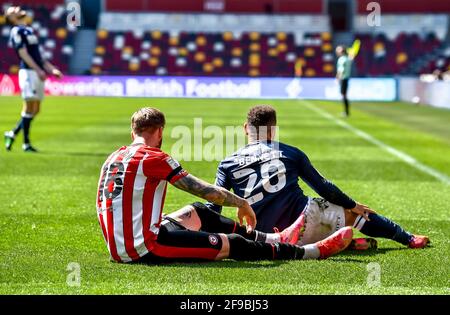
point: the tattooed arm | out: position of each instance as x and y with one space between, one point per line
202 189
217 195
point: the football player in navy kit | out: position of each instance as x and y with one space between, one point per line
266 173
32 74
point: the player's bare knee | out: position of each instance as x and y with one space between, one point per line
37 108
188 217
28 107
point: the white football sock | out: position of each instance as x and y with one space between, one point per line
272 238
311 251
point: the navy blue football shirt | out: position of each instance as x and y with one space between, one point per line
266 173
24 36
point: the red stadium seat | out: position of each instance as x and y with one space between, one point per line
380 56
252 53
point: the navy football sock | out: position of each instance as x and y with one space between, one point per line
26 122
347 106
18 127
380 226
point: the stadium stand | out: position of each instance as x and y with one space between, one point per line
411 7
244 45
390 50
381 56
250 53
440 61
207 44
162 37
229 6
56 37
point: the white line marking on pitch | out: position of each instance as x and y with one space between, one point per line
397 153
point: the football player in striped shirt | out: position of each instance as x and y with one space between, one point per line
32 74
130 200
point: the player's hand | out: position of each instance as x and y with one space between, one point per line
57 73
41 74
362 210
246 212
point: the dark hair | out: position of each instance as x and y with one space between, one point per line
262 116
147 118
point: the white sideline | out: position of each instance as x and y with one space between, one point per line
399 154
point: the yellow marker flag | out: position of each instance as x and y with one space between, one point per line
354 50
298 68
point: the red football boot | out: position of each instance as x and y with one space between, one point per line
292 233
419 241
335 243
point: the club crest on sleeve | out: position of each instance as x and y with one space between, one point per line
213 239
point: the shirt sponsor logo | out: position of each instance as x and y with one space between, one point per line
173 163
316 88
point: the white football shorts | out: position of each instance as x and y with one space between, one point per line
322 218
31 86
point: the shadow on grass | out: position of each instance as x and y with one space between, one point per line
341 259
348 256
372 252
227 264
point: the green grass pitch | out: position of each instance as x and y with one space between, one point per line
48 217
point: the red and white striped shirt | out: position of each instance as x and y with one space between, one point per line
130 198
